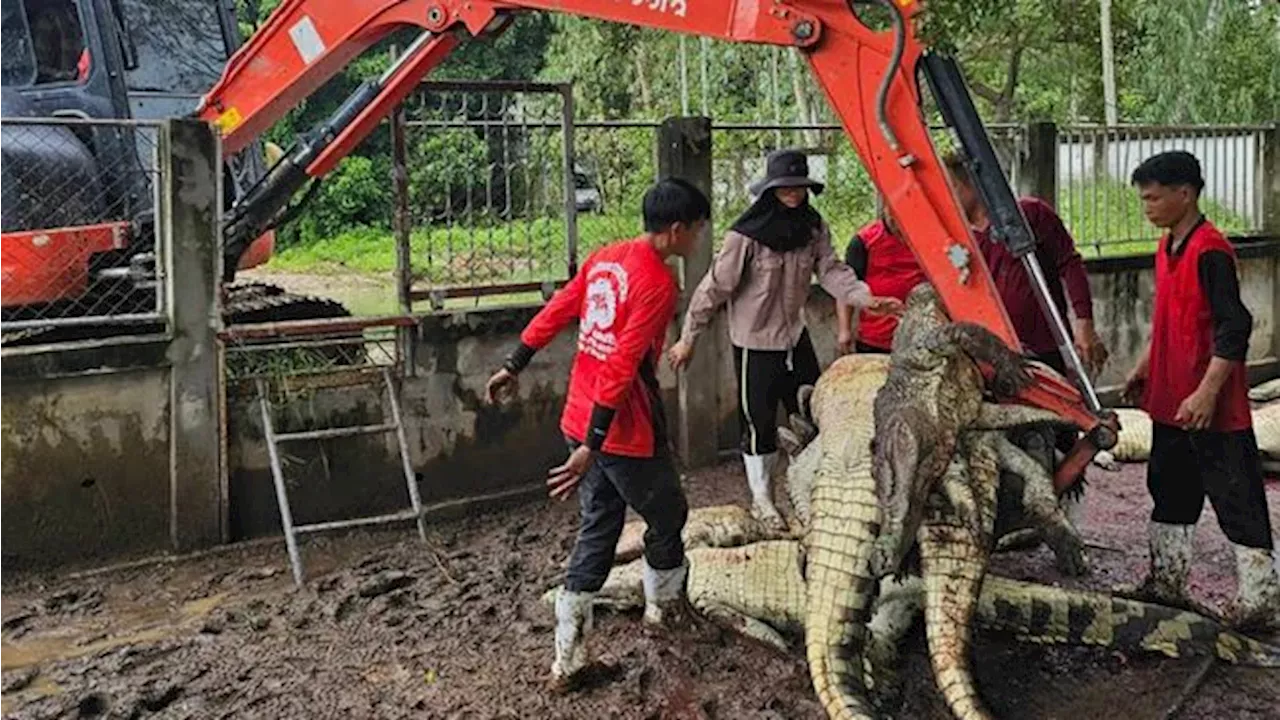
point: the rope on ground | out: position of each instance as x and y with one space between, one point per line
1190 687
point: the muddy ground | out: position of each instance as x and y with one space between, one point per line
387 627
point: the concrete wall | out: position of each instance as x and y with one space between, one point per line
85 464
462 448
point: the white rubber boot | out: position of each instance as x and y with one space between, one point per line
1170 550
665 604
1257 603
573 624
760 480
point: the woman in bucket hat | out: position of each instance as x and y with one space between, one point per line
763 272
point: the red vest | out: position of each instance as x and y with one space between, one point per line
1182 337
892 270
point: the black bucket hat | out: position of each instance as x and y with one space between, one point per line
786 168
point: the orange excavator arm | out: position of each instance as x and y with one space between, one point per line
868 76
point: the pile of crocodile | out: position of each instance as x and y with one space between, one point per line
904 478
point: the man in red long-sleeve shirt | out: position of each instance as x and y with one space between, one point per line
623 298
1063 267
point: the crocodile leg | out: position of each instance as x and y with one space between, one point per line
897 608
1011 369
1040 506
993 416
745 625
953 557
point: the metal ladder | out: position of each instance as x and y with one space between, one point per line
273 438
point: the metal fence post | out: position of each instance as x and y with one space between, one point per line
404 247
191 164
570 184
684 151
1038 171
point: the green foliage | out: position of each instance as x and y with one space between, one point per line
1205 61
356 193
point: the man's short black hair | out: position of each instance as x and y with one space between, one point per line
954 162
1171 169
673 200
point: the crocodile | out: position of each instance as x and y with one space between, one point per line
759 589
1134 442
1026 489
714 526
843 521
934 390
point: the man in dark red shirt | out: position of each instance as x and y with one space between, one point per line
1191 381
886 264
622 299
1063 267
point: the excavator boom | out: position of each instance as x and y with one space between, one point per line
869 77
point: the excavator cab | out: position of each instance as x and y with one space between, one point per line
100 60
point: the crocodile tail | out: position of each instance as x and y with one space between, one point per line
953 560
840 587
1048 615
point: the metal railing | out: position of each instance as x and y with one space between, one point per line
83 246
1102 210
502 192
486 200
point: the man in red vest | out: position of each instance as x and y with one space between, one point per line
884 262
622 299
1191 381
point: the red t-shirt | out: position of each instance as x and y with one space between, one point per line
1182 336
1062 265
623 298
890 270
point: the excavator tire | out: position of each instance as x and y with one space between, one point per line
244 303
255 302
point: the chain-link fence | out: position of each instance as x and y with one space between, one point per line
82 247
1103 210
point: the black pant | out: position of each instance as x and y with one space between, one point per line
864 349
1187 465
651 486
764 380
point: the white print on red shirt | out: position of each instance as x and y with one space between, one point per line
606 292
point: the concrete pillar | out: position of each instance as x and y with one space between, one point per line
1269 181
1269 186
684 151
190 168
1038 174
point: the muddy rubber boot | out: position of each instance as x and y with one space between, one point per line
573 624
1257 603
665 603
760 480
1170 550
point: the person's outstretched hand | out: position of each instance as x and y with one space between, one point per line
503 382
564 478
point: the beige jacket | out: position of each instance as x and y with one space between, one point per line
766 290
